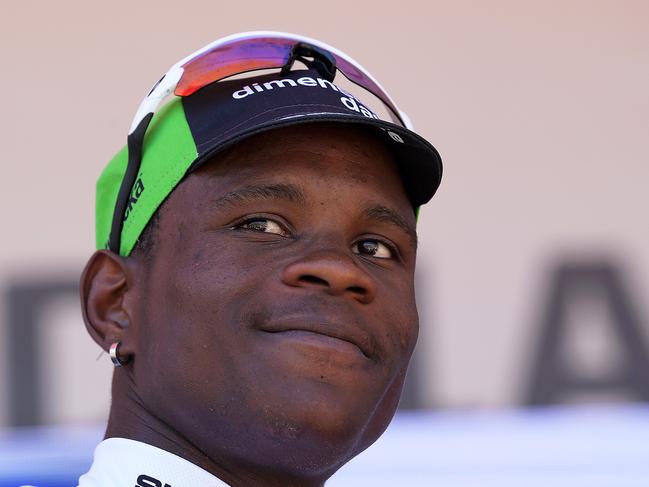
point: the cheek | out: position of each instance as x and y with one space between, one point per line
399 312
193 340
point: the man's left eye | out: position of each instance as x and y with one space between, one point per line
373 248
265 225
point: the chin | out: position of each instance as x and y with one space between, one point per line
312 448
318 436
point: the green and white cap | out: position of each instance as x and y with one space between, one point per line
191 130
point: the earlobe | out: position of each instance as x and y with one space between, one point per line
103 287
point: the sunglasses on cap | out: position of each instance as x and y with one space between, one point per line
231 56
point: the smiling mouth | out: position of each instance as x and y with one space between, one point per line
316 340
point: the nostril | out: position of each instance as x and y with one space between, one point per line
307 278
358 290
330 273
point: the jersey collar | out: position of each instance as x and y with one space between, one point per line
119 461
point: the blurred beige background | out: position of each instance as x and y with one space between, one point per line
539 109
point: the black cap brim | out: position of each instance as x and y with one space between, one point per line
219 119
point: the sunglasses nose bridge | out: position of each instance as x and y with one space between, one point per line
321 60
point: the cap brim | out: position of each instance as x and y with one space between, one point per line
225 113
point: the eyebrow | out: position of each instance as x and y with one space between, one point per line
383 214
289 192
286 192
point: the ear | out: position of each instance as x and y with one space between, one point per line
105 281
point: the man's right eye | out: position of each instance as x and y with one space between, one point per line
264 225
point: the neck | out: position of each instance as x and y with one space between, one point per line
130 418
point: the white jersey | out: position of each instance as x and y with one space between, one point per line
122 462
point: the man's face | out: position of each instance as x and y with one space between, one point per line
276 317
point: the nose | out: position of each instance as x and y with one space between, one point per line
334 273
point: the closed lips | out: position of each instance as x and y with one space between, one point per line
354 335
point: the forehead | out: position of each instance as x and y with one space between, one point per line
312 153
332 175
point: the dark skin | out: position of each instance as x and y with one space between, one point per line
271 325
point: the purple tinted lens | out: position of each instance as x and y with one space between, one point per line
233 58
355 75
246 55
